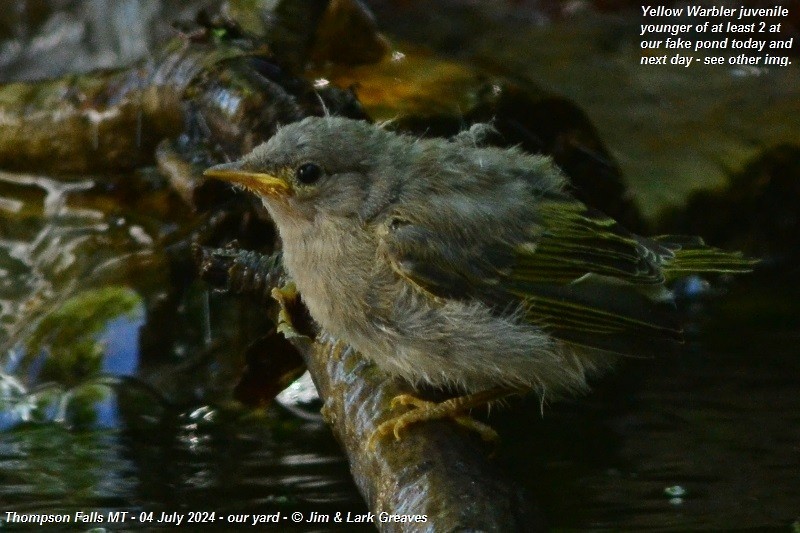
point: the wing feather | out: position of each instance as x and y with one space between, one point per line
575 272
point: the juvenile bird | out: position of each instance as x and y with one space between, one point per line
459 266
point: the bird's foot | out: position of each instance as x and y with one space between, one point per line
455 409
288 299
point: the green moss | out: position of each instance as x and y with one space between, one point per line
68 334
81 410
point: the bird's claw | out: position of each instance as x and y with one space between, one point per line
407 399
397 424
424 410
286 297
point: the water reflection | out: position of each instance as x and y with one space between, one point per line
232 466
114 394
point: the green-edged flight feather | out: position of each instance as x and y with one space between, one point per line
579 275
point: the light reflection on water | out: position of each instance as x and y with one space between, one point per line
141 432
235 469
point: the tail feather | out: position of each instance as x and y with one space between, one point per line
692 255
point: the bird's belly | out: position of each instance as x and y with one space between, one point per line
423 340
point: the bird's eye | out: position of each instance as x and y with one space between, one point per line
308 173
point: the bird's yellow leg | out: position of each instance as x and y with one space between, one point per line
454 408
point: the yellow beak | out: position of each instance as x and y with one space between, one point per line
258 182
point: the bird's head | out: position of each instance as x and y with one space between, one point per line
319 166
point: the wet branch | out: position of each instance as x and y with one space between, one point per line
437 470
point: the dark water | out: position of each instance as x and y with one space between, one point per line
207 461
705 439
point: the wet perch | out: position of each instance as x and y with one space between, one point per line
438 470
